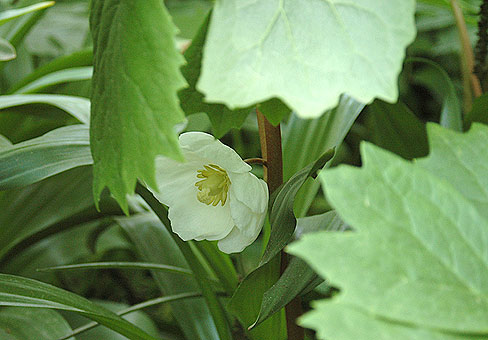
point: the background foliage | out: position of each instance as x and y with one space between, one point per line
395 249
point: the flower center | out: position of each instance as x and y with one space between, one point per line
213 186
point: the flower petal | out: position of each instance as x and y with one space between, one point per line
190 218
236 241
249 190
172 176
211 149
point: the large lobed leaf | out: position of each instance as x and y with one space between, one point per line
134 97
306 53
192 101
417 266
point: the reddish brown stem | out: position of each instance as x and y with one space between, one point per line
270 138
471 81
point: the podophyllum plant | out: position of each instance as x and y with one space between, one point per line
129 197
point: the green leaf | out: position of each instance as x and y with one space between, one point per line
149 237
78 107
436 79
221 264
35 159
135 317
134 96
247 299
281 216
479 112
58 77
306 53
4 142
47 202
129 265
395 128
274 110
23 292
221 117
63 29
29 323
195 263
10 14
304 140
77 59
7 51
288 286
419 250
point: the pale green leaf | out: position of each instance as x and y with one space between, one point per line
7 51
4 142
10 14
416 267
134 96
111 265
78 107
306 53
35 159
58 77
192 101
76 59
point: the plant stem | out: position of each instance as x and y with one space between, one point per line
216 309
472 86
270 138
481 50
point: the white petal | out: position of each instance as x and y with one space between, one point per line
236 241
243 216
190 218
211 149
248 222
172 177
250 190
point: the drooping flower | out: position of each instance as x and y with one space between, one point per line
213 195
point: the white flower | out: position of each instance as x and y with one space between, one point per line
213 195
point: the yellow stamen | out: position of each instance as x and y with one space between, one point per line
214 185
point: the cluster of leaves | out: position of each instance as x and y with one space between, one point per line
94 90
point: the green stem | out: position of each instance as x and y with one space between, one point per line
270 138
221 264
216 309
